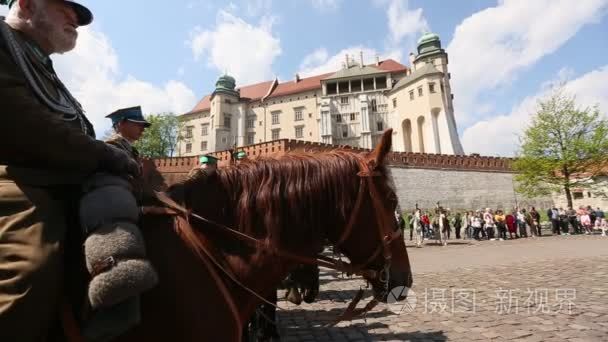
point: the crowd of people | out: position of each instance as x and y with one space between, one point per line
490 224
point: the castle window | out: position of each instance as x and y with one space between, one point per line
224 140
368 84
204 129
355 85
411 95
380 126
381 82
188 147
374 105
343 87
353 116
338 118
299 132
332 88
227 120
419 91
227 101
203 146
344 131
275 117
250 122
577 195
275 134
250 139
298 114
189 130
395 103
344 100
431 87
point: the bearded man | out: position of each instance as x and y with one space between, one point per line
47 149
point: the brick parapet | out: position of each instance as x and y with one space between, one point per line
395 159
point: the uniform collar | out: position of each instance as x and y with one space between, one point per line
37 51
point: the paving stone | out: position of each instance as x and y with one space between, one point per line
490 334
578 327
588 276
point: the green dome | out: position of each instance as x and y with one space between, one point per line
226 82
427 37
429 43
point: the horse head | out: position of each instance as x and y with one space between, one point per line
293 204
371 239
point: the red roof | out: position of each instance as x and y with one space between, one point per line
258 90
204 104
304 84
392 66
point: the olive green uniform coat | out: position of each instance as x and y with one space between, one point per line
44 155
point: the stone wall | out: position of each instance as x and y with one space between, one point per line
458 189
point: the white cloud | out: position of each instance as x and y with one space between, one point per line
258 7
403 22
319 61
326 5
499 135
491 47
245 51
92 74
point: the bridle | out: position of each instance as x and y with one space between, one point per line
387 233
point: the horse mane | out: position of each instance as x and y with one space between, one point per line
297 191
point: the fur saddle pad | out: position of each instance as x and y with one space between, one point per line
114 248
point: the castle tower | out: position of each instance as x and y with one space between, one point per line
423 113
227 118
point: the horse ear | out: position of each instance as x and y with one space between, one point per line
383 147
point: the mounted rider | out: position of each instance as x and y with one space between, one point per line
48 151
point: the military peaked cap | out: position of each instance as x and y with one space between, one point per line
133 114
85 17
208 159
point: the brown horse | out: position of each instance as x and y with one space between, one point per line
293 204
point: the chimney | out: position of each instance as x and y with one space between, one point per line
361 59
377 60
297 77
412 58
347 62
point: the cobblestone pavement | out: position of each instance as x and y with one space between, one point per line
541 289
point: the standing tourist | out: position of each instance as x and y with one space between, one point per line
572 219
553 215
511 222
536 227
488 220
500 225
521 222
457 225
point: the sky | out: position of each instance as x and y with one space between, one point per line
504 55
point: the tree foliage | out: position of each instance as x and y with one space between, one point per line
160 139
562 141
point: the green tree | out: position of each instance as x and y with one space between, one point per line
160 139
563 140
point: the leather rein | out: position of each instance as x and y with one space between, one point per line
387 236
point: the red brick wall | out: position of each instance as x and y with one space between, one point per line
397 159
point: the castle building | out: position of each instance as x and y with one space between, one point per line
351 106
